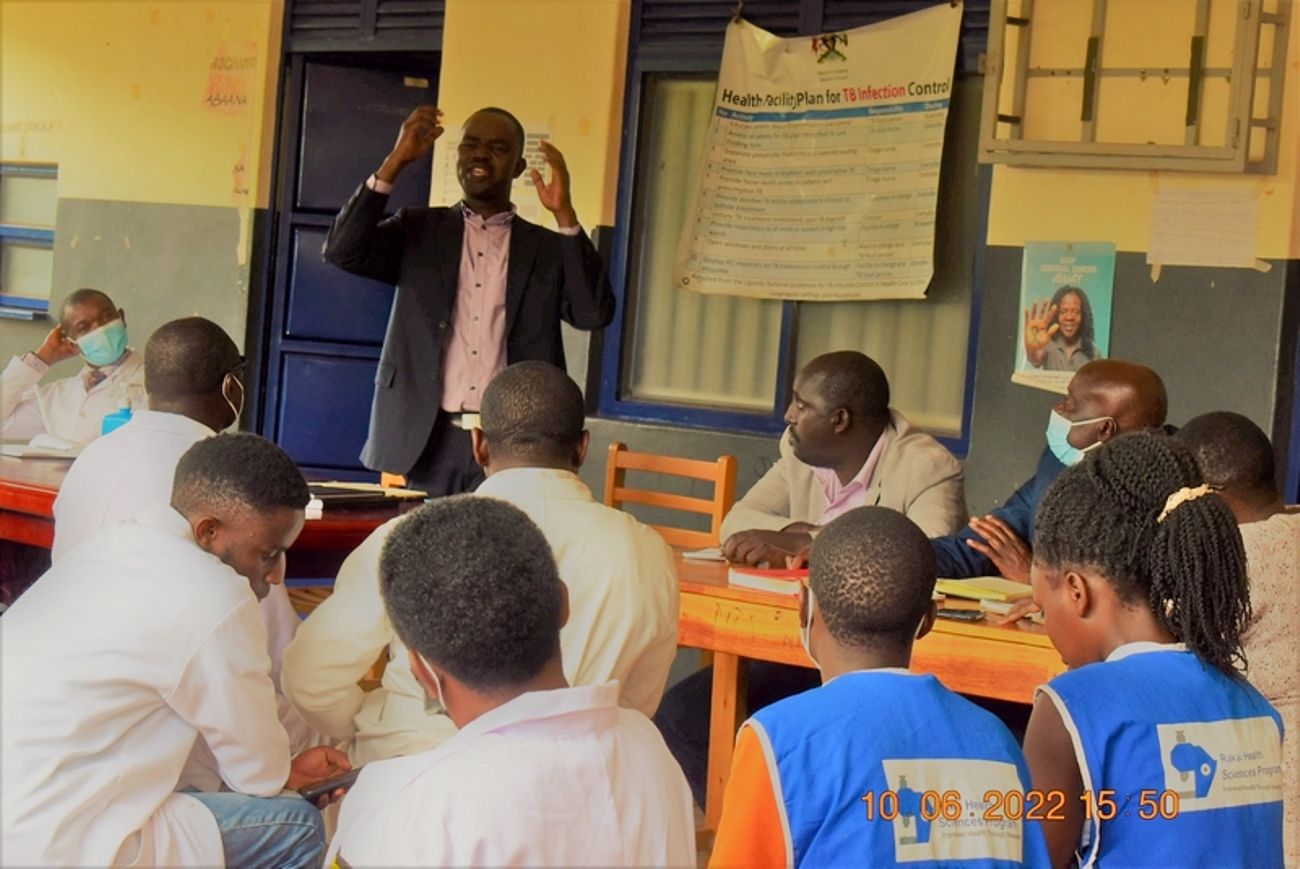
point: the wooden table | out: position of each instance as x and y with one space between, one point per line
28 488
983 659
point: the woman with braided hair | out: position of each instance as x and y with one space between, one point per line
1154 748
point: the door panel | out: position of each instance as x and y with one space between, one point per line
340 116
351 116
328 304
325 408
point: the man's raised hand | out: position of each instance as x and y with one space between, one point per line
419 131
555 195
57 347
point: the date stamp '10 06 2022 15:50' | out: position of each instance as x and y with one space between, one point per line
1031 805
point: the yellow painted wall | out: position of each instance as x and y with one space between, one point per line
114 92
553 63
1107 205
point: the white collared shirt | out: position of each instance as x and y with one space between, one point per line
623 613
119 474
64 408
115 478
550 778
111 666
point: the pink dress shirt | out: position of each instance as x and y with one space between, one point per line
476 349
841 498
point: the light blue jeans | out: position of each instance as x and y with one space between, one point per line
284 832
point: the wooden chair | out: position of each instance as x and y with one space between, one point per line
721 473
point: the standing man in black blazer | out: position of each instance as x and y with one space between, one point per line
478 288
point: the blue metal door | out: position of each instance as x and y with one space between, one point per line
324 328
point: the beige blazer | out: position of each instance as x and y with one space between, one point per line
916 476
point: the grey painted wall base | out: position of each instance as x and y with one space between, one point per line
159 262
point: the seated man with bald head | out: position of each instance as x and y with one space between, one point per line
1104 398
845 448
90 327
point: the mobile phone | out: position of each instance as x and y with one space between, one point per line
312 793
960 615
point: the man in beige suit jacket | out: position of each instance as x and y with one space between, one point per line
845 448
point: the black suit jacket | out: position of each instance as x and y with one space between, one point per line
550 277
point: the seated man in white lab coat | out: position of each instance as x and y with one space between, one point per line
193 373
539 774
73 408
137 644
623 591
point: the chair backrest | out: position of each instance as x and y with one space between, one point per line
721 473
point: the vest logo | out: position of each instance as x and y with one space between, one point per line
937 811
1222 764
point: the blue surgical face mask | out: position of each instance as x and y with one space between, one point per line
105 345
1058 438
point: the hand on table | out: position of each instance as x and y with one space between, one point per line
1002 546
554 195
57 347
318 764
774 547
1019 610
419 131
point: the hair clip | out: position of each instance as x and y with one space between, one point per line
1182 496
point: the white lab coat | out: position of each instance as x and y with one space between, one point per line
623 613
550 778
119 475
64 408
111 666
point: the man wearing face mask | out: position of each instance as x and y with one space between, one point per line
137 644
193 373
1105 398
74 408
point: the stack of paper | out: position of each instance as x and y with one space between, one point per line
778 581
43 446
983 588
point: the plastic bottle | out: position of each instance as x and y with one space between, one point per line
120 418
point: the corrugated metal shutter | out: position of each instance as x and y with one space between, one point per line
847 14
364 25
668 27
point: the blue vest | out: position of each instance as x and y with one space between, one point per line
862 766
1161 721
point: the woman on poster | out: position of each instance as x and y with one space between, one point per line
1060 335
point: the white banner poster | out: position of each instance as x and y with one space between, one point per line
822 163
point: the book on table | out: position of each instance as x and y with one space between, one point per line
341 494
777 580
984 588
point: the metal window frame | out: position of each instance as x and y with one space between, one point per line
12 306
702 57
1242 124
